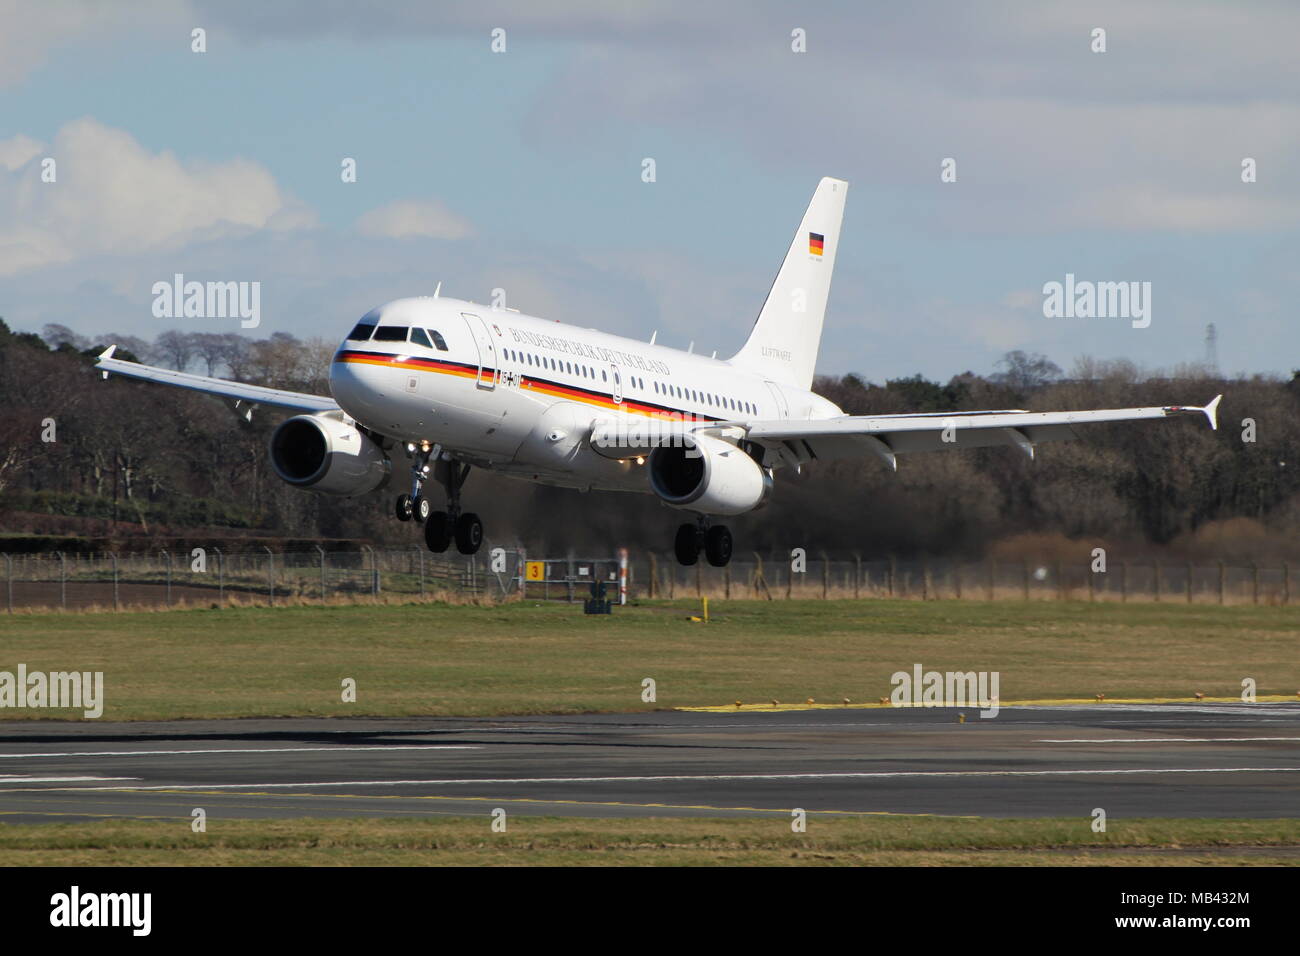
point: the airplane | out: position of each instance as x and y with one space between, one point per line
440 386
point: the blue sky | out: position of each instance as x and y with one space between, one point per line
521 170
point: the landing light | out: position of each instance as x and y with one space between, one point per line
640 460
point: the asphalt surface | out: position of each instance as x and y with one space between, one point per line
1206 760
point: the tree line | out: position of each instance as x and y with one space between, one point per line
141 461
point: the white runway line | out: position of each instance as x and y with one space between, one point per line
15 779
685 778
1161 740
251 750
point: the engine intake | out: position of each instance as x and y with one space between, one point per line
709 476
328 455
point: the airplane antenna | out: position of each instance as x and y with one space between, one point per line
715 354
437 289
691 347
654 335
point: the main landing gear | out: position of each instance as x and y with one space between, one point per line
440 527
714 541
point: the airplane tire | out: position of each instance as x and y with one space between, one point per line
469 533
403 508
717 546
687 544
437 532
422 508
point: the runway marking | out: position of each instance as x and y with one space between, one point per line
9 778
1064 701
684 778
236 750
1160 740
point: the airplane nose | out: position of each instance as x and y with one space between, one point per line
356 385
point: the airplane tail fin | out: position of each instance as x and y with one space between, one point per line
784 340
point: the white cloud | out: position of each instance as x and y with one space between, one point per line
413 219
112 195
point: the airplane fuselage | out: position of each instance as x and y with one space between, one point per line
520 394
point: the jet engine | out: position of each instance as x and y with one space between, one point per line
326 454
709 476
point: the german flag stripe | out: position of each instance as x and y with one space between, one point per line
544 386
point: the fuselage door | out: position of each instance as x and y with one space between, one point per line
487 350
782 409
616 384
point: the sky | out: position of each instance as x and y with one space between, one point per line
522 170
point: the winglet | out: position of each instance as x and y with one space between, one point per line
1212 412
108 352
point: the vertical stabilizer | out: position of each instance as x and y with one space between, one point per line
784 341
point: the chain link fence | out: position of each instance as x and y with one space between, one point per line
212 577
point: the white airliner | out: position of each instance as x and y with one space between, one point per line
442 385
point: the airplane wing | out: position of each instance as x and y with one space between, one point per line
887 436
238 392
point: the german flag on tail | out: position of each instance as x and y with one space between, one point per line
815 243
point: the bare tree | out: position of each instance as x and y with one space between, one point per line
175 348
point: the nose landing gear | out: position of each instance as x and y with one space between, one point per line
440 527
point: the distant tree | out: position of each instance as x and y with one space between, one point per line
55 335
176 348
1026 371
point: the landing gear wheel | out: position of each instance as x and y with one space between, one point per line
717 546
687 544
422 507
469 534
403 508
437 532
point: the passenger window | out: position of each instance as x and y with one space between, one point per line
419 338
362 332
391 333
438 340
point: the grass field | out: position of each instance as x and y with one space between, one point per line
551 841
521 658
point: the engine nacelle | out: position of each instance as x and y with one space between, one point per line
709 476
326 454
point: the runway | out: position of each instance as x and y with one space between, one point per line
1169 760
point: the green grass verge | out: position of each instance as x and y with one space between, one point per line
555 841
519 658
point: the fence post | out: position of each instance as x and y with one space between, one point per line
726 582
169 576
270 574
221 578
1189 582
654 575
1061 591
117 604
321 551
63 580
1223 574
1254 569
420 551
993 573
893 573
1157 577
857 575
1092 583
699 591
1123 582
1026 580
1286 583
9 575
925 580
569 576
826 575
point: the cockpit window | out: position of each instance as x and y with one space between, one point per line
391 333
419 338
362 332
438 340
